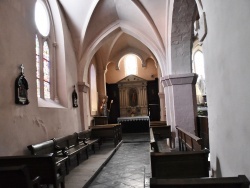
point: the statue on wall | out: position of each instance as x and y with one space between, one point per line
103 108
21 89
133 99
74 98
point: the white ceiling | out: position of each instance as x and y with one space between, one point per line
115 26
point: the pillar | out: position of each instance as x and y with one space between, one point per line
181 100
83 95
162 106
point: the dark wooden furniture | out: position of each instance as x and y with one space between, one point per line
17 177
157 123
158 145
43 166
48 147
240 181
203 130
153 143
108 131
114 109
188 141
162 132
69 145
188 164
134 124
153 100
100 120
86 137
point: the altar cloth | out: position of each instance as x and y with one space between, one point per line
134 124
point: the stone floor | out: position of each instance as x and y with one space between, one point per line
127 166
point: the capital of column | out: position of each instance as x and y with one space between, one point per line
83 87
179 79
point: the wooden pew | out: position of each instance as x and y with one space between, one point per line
162 132
169 163
153 143
203 130
43 166
188 141
108 131
240 181
157 123
181 164
100 120
70 146
17 177
86 137
157 145
48 147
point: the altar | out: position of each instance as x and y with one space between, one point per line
134 124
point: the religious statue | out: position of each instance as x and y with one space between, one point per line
133 97
21 89
74 98
103 108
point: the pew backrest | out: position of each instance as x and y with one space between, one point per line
42 148
157 123
186 164
38 165
240 181
153 143
188 141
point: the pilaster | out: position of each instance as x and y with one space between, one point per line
83 95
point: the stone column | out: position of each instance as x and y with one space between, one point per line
162 106
181 100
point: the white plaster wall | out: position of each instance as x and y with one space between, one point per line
148 73
226 50
24 125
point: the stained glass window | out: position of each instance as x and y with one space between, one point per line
37 67
46 71
43 56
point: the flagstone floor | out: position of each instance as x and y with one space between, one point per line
127 166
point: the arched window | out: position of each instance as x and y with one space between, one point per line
198 68
131 65
93 91
43 53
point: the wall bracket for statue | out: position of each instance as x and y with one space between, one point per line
21 89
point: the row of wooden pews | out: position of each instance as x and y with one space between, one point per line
187 166
50 161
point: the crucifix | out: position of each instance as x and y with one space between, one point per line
22 68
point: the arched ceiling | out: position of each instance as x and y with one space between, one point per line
111 26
